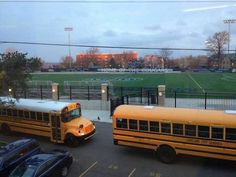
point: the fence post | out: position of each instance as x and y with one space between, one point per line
205 100
104 92
55 91
161 95
58 93
127 99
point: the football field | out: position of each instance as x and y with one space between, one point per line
201 82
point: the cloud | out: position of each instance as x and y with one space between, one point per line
153 28
208 8
194 34
180 23
110 33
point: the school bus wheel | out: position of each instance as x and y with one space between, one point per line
71 140
166 154
5 129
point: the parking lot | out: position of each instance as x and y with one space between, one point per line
98 157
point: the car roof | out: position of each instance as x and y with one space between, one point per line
39 159
4 150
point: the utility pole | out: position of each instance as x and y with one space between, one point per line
69 29
229 21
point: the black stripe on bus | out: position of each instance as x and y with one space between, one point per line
134 142
26 121
31 128
208 145
185 149
175 135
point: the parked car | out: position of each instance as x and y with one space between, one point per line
52 164
16 152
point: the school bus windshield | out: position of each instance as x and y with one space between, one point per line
70 115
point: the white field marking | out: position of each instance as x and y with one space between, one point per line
132 172
88 169
196 82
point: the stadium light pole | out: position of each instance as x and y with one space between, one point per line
229 21
69 29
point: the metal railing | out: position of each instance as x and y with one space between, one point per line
139 95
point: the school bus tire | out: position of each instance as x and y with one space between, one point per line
166 154
71 140
5 129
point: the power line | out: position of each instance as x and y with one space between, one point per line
105 46
117 1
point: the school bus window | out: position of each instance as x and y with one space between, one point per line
165 128
26 114
178 129
190 130
217 133
33 115
9 112
46 117
39 116
133 124
203 131
121 123
154 126
143 125
230 134
20 114
14 113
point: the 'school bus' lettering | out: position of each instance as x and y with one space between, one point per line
61 121
172 131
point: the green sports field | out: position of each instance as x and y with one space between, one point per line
210 82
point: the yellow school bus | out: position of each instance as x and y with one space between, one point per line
61 121
173 131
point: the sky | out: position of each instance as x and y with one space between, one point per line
155 24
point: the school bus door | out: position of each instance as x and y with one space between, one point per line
56 129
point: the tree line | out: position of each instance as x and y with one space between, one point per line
215 58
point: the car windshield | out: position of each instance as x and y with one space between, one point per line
71 115
24 171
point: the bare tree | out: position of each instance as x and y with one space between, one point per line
66 62
165 54
216 45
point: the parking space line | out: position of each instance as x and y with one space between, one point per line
88 169
132 172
